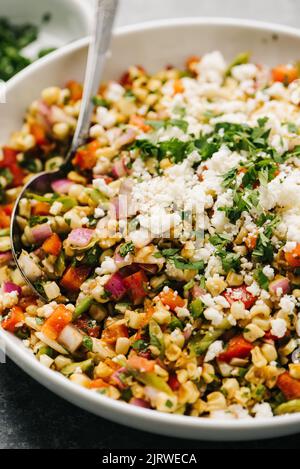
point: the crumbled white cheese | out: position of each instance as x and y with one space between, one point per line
213 350
213 315
278 327
262 410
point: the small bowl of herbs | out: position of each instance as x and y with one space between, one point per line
32 29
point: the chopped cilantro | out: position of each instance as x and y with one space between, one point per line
126 249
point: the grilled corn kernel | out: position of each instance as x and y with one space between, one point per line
258 359
122 345
216 285
216 401
230 386
61 130
294 369
234 280
188 393
253 333
173 352
288 348
208 373
102 370
81 379
269 352
238 310
51 95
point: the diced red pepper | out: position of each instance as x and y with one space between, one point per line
293 257
237 347
171 298
289 386
140 363
112 333
98 383
285 73
76 90
52 245
14 317
240 294
74 277
136 285
39 133
58 320
173 382
41 208
86 158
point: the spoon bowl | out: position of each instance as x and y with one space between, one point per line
104 18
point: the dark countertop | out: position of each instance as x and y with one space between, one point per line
31 417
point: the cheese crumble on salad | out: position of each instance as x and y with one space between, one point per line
170 253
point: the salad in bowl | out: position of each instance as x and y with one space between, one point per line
170 254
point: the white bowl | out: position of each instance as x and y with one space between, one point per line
152 45
70 20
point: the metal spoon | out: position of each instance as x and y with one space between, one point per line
104 18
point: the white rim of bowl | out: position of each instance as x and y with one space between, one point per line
55 381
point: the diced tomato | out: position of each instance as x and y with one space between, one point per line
88 326
140 363
86 157
173 382
52 245
171 298
251 241
237 347
136 284
293 257
8 208
58 320
98 383
289 386
285 74
240 294
74 277
39 133
9 161
41 208
112 333
178 86
139 122
15 317
76 90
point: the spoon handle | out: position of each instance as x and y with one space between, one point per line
101 36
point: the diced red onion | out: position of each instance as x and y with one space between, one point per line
5 257
140 403
120 261
128 137
116 287
116 377
61 186
9 287
41 232
80 237
119 169
187 333
120 207
280 286
197 291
